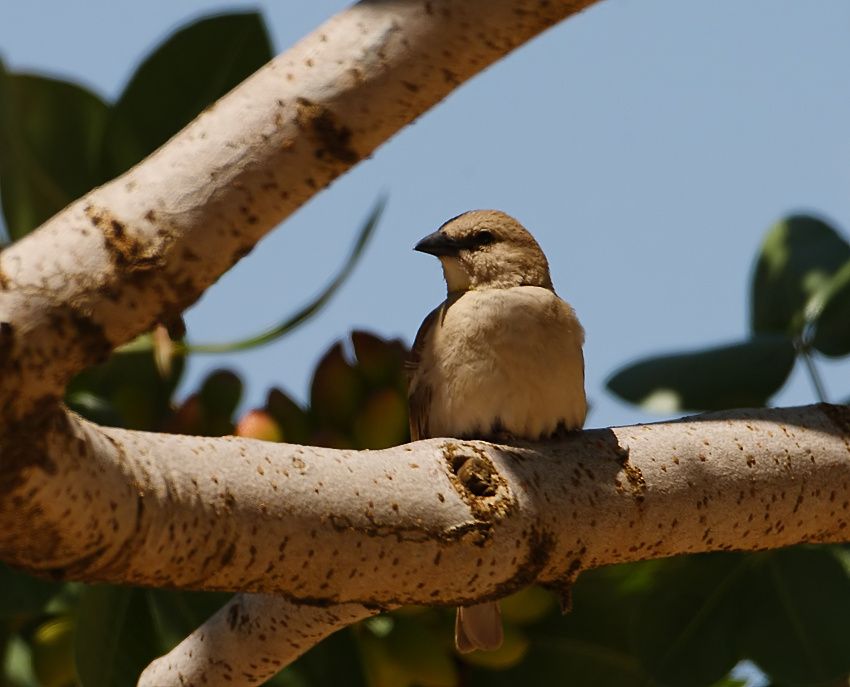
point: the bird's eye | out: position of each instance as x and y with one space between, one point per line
484 238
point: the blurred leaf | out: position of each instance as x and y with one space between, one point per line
830 313
219 395
382 670
335 661
592 645
528 605
737 375
796 616
187 418
24 594
314 306
53 652
192 69
381 421
176 614
290 416
50 138
127 390
419 653
380 361
115 637
337 389
685 626
93 407
797 259
17 665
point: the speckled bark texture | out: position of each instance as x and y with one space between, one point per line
145 246
318 538
415 524
248 641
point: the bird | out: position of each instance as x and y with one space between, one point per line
499 359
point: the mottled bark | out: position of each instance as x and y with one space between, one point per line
334 535
438 521
248 641
145 246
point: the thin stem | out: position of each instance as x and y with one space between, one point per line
814 375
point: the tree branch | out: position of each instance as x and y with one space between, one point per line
144 247
248 641
440 521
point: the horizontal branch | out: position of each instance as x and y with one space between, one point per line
144 247
440 521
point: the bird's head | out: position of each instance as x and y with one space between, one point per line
487 249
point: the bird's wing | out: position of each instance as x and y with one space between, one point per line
418 392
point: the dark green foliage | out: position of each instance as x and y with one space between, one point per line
114 636
797 605
46 161
186 74
800 298
797 259
738 375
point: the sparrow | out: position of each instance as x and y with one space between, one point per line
499 359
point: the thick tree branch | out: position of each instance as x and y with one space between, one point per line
442 521
436 522
147 245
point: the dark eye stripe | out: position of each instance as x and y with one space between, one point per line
483 238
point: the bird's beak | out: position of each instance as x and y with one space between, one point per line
438 244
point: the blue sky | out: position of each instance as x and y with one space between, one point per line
647 144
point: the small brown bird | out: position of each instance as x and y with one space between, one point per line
500 358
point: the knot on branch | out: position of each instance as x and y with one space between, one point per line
479 483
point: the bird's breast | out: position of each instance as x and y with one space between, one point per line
505 359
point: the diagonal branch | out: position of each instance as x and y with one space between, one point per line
144 247
248 641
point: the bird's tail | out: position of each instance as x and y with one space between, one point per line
478 627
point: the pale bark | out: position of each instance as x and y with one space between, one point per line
335 535
411 524
145 246
249 641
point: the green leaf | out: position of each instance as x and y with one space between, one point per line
17 666
736 375
337 390
335 661
292 418
797 259
128 389
829 311
176 614
24 594
796 616
50 141
313 307
187 73
591 646
415 648
115 637
685 629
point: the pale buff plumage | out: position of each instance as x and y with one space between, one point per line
501 357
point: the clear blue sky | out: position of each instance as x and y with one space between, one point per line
648 144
